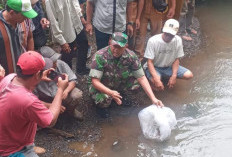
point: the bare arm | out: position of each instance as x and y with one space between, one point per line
102 88
171 11
129 11
155 77
172 80
55 106
71 86
30 41
89 15
147 88
139 12
82 8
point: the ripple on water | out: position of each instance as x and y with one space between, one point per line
207 135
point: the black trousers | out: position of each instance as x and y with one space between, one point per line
79 49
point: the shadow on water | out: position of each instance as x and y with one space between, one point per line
202 106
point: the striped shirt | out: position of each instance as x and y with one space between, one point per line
24 29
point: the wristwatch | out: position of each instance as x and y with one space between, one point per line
130 23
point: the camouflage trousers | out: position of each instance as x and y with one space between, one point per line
103 100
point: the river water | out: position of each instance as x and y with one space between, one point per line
203 106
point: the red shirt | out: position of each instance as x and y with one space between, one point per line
20 112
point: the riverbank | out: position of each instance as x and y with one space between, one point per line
89 131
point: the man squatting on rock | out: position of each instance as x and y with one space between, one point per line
116 69
46 91
163 53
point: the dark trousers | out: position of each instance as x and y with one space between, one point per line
40 38
102 39
79 49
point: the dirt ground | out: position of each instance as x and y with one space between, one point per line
89 129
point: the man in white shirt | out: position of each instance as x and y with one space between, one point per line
163 52
67 29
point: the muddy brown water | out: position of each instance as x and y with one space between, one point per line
203 106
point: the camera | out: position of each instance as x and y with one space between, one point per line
53 75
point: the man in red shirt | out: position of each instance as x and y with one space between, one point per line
21 110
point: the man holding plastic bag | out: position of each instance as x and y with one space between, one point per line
114 69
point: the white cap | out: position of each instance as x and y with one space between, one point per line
171 26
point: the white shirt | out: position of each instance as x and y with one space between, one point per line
163 54
64 16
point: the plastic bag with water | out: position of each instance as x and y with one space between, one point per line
156 122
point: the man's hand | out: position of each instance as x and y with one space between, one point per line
66 48
45 74
89 28
62 109
116 96
158 84
65 94
158 103
2 72
63 84
129 30
172 82
83 21
171 13
137 24
45 23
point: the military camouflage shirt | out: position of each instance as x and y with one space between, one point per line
113 71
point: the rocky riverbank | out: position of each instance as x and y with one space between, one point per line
89 130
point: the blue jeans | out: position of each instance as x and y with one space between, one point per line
166 72
27 151
102 39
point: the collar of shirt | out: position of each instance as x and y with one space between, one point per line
110 55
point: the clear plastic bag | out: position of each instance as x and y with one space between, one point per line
156 122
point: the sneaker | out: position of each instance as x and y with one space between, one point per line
103 112
39 150
78 115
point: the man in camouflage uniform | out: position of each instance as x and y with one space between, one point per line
116 69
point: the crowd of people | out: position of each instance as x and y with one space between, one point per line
37 83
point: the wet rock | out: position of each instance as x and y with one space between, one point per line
117 146
60 133
91 124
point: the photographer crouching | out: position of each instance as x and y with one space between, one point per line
21 110
46 91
